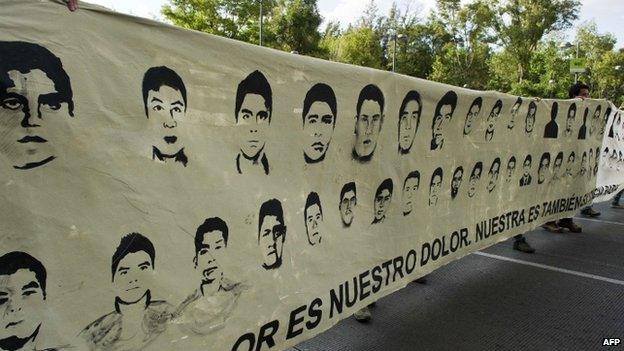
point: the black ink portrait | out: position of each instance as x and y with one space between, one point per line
570 164
313 215
529 121
164 99
557 166
271 233
409 120
492 118
595 122
605 119
435 185
137 319
22 300
210 238
442 116
456 181
319 120
472 115
514 113
570 119
254 105
611 129
410 187
590 160
597 159
526 169
544 166
475 176
582 134
348 201
551 130
382 199
493 174
368 122
511 169
35 90
583 169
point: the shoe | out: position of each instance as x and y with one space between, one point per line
570 225
522 246
363 315
589 212
372 305
552 227
618 206
421 280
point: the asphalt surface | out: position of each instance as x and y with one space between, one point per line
569 295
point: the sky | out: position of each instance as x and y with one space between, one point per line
608 14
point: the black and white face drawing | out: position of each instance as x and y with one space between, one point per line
368 122
210 242
475 176
271 233
456 181
597 159
435 185
570 165
514 113
410 187
583 164
493 174
254 105
511 169
313 213
544 167
582 134
590 160
595 123
526 169
529 121
605 119
491 120
22 300
319 120
348 201
442 116
132 268
35 94
409 120
383 197
557 166
472 115
551 130
570 119
164 99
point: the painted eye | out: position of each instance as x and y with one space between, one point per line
158 108
143 268
177 110
29 292
53 106
12 104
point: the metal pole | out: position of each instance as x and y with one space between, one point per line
261 20
576 75
394 54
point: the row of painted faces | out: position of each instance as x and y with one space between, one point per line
34 87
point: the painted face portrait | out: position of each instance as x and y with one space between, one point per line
410 188
434 186
368 122
605 119
570 164
511 169
582 134
475 176
442 116
381 202
319 121
557 166
164 99
348 201
491 120
409 120
22 300
583 164
544 166
529 121
570 119
597 158
514 113
456 181
254 101
493 174
133 268
472 115
35 96
210 243
595 120
271 233
313 213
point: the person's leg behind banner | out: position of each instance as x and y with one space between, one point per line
616 201
521 244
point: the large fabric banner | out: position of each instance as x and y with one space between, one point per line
166 189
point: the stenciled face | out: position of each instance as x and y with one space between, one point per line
206 260
456 182
347 206
408 122
570 120
314 220
409 193
474 179
526 166
439 121
165 109
132 276
434 190
21 304
514 113
493 117
584 161
470 118
543 169
494 172
511 168
254 119
29 112
382 201
271 240
530 120
557 165
318 127
367 128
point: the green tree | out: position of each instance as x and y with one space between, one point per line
295 25
359 46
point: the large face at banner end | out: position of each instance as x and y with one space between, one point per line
35 94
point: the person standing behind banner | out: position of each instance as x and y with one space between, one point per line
72 5
616 201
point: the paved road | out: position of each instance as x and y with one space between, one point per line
569 295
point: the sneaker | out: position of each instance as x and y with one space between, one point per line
570 225
363 315
522 246
589 212
618 206
552 227
421 280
